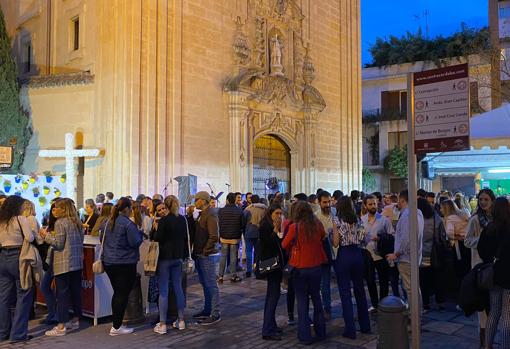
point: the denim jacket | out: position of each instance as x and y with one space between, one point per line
121 246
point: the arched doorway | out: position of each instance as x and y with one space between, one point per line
271 166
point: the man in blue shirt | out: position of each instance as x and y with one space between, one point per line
375 226
402 251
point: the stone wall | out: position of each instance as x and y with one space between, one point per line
157 106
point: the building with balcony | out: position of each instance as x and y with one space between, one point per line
384 105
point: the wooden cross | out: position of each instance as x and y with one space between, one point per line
69 153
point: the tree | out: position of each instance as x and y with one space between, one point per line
15 128
396 162
368 180
412 48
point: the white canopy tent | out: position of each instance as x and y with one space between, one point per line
491 128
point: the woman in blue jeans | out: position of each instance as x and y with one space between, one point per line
67 245
349 266
304 244
172 235
47 279
270 247
14 229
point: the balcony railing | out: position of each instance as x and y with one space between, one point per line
376 115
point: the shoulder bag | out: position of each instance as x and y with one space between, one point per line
97 266
288 269
150 265
188 265
485 272
266 266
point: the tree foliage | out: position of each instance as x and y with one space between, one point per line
412 48
396 162
367 180
15 128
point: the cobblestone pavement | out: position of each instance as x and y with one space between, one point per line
242 310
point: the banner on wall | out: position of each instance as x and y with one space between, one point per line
41 190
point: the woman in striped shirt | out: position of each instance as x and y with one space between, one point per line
349 266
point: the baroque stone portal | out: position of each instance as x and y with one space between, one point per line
271 92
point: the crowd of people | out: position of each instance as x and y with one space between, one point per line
298 243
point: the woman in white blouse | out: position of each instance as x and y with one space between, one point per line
455 223
14 228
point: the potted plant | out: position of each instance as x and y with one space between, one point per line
7 185
49 176
57 192
42 201
46 190
63 178
36 192
18 178
33 178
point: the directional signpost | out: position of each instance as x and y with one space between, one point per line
438 121
441 109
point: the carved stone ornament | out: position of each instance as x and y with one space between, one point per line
281 7
308 68
266 78
260 42
241 48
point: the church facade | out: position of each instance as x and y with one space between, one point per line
261 95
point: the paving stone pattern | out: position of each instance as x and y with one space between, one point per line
242 307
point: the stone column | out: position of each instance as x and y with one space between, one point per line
310 149
239 141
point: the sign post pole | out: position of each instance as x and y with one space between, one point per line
413 216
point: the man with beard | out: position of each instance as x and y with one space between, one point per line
375 226
329 223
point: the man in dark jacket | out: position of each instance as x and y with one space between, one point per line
231 223
205 250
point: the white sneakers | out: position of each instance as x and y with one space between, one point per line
120 331
56 332
162 329
179 324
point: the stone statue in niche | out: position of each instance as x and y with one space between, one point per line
276 57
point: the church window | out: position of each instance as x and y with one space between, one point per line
75 32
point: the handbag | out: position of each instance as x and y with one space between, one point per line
268 265
150 264
98 266
485 273
288 269
188 265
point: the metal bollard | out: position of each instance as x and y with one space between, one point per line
392 323
134 310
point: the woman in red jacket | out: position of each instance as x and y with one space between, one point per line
303 242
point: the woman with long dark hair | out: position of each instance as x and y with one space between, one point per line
476 224
47 279
349 266
67 246
493 245
122 240
304 244
14 229
270 247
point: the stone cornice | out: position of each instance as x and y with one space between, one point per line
57 80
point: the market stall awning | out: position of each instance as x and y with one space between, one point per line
491 129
